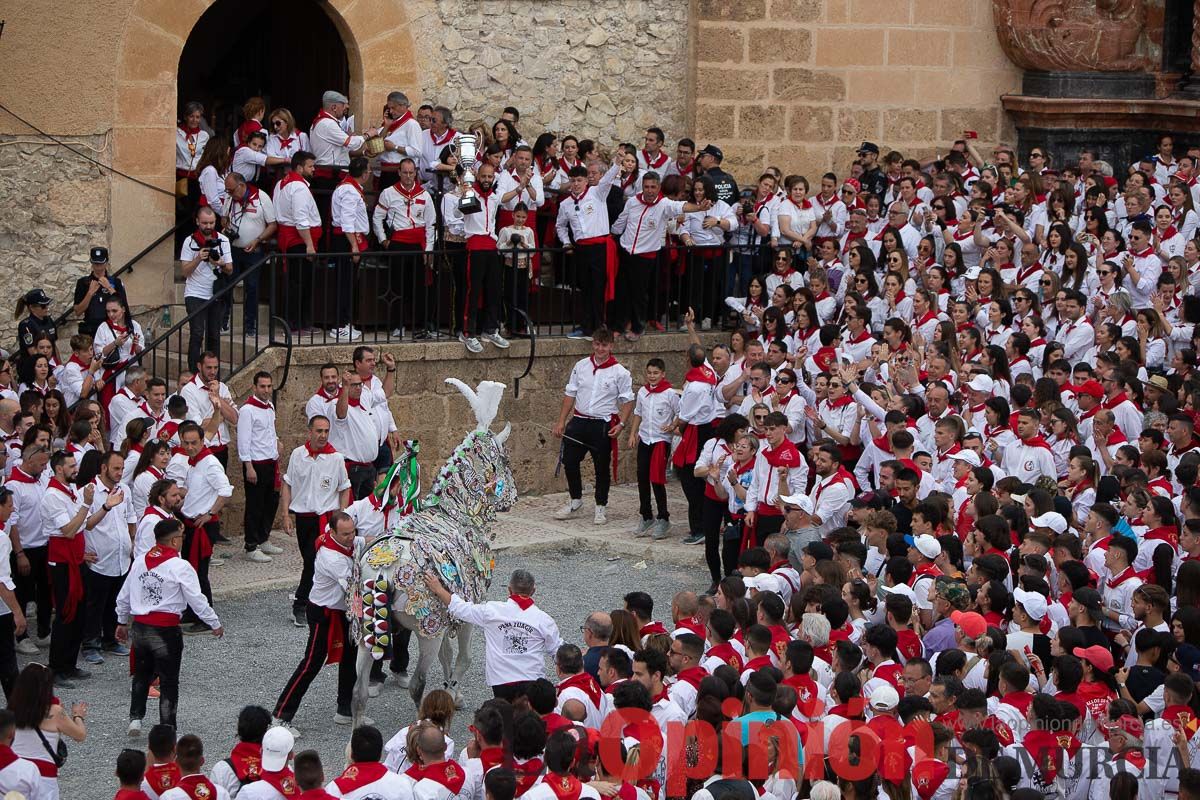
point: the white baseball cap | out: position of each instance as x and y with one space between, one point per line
969 456
277 745
885 698
1033 603
801 501
981 383
972 273
1052 520
926 545
901 588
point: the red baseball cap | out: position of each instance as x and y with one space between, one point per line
1090 386
1099 657
1129 725
972 624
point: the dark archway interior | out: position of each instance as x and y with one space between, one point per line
286 51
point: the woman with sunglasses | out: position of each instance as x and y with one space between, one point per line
782 271
788 400
1108 285
284 141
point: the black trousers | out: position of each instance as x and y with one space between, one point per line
516 295
636 284
407 278
204 331
765 526
714 515
592 437
481 314
65 636
591 270
35 587
100 609
298 299
157 653
362 479
242 261
213 529
644 454
315 652
8 654
693 487
262 501
346 270
510 691
401 637
456 252
308 528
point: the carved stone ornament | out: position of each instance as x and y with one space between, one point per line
1071 35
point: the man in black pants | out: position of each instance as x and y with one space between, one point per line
299 233
481 311
583 226
207 490
258 449
29 570
12 618
161 586
204 255
698 407
325 614
597 402
64 515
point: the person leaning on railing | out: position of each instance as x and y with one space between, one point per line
251 225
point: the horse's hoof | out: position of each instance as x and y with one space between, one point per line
401 679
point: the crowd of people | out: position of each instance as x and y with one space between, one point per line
945 472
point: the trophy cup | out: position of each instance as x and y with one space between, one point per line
466 149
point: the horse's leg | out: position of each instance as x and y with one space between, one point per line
363 668
428 650
445 656
462 663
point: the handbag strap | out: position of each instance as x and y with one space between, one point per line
49 749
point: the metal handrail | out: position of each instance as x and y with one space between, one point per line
287 338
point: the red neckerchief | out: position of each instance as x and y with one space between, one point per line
196 459
246 760
883 442
657 388
1169 233
329 543
525 602
190 131
447 136
656 163
321 393
651 628
1091 412
282 781
286 141
326 450
1181 718
1165 533
20 476
161 777
412 193
627 182
585 683
1046 749
1000 728
1080 487
1018 700
158 554
75 359
1135 757
447 773
564 787
756 664
1121 577
1116 437
841 402
347 180
491 757
527 773
396 123
641 199
860 337
928 569
954 448
1036 441
253 400
686 169
1148 251
198 787
692 676
851 710
358 775
611 362
127 794
55 483
1119 398
703 374
727 653
293 177
851 238
115 328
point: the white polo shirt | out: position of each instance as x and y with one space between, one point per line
28 493
356 436
200 283
331 577
599 391
315 480
257 439
109 540
205 482
251 215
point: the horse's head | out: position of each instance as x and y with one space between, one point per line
490 464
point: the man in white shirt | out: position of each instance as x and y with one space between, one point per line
161 585
401 139
433 142
327 393
832 491
349 234
12 616
408 211
328 633
597 402
315 485
299 221
258 450
108 538
583 227
204 255
1077 335
699 405
126 405
1141 264
29 543
376 392
81 374
20 777
481 307
207 492
353 433
331 144
252 217
206 393
518 635
64 514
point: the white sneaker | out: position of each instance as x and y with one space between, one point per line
43 642
496 339
287 726
473 344
135 728
397 333
601 516
706 324
27 647
568 511
258 557
216 561
270 549
347 332
374 689
342 719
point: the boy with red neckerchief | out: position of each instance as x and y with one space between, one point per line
276 781
577 686
22 776
131 764
310 776
778 470
367 776
559 782
245 761
165 772
193 785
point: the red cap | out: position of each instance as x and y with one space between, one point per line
1129 725
1109 181
972 624
1099 657
1090 386
853 184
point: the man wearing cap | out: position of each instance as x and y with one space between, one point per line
276 781
709 160
922 550
798 525
330 143
38 322
873 179
1029 457
1088 396
968 627
948 596
94 290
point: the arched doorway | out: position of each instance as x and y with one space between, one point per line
286 51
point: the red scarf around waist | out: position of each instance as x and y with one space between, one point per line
68 551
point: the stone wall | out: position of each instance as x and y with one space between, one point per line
598 70
55 207
800 83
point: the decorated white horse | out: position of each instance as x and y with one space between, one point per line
447 532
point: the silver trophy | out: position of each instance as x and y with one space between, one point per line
466 149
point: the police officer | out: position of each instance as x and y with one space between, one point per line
38 321
710 159
94 290
873 179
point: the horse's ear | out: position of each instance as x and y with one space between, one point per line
485 401
502 436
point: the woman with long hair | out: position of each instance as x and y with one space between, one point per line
1064 435
41 723
57 416
213 167
1083 475
1058 241
138 432
1152 338
150 467
995 358
703 232
437 709
625 631
731 486
40 378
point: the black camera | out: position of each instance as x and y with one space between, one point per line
747 208
515 240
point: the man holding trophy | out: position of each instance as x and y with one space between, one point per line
478 205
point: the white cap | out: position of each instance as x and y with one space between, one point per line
885 698
801 501
277 745
1052 520
1033 603
763 582
901 588
969 456
972 273
334 97
981 383
927 546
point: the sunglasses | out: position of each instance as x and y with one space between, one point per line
1104 272
276 123
783 380
757 418
861 280
1046 283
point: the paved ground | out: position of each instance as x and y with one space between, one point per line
261 647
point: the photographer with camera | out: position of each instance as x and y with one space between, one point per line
205 255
